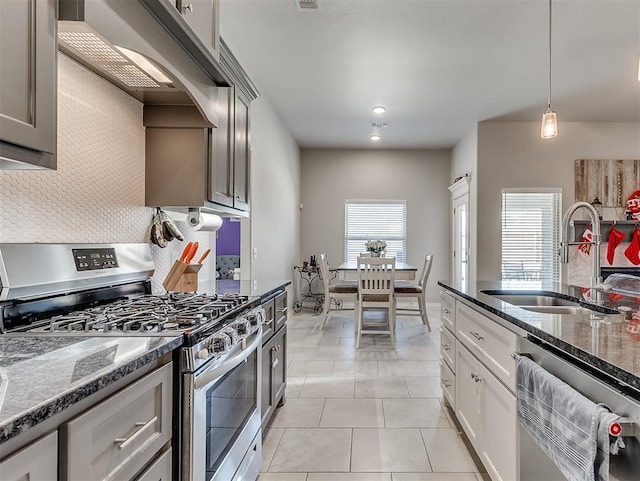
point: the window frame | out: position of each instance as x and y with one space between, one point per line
556 265
402 237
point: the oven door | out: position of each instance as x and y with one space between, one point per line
225 419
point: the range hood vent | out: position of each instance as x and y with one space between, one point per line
125 44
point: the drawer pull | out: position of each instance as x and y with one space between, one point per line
446 383
446 311
283 310
476 335
445 347
124 442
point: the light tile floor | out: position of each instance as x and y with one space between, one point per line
371 414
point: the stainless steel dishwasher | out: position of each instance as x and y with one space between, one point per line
625 466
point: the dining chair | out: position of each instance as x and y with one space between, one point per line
376 291
334 292
419 290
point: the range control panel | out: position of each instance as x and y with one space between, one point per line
95 259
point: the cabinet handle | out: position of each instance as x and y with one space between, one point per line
476 335
275 363
236 196
476 378
446 311
124 442
283 310
187 8
446 383
445 347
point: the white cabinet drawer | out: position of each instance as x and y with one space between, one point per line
448 384
36 462
448 311
489 341
118 437
159 470
448 349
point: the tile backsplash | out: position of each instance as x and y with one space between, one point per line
97 192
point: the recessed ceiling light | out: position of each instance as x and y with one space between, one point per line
375 137
378 109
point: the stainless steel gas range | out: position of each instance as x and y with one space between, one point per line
104 290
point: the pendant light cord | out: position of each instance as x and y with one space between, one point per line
549 99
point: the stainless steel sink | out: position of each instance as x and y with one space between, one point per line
549 303
572 310
533 299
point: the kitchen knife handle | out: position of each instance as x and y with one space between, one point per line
186 251
192 253
204 256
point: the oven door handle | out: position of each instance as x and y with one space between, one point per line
207 377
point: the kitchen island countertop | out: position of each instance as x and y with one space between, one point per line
608 344
41 376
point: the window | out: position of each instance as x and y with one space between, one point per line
531 234
375 220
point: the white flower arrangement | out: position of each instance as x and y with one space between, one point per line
376 246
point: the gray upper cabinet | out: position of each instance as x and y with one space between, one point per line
203 18
192 164
229 183
28 86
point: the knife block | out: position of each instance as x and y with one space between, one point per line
182 277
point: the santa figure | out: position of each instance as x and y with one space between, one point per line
633 206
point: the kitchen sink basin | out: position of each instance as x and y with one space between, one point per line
549 303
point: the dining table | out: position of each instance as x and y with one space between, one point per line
348 271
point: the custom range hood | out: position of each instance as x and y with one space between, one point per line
122 42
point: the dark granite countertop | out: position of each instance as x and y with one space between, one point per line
252 288
41 376
610 344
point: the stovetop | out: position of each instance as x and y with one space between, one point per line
167 314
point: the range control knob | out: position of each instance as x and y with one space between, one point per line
202 354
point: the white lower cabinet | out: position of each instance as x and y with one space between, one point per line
119 436
486 410
159 470
36 462
499 429
468 394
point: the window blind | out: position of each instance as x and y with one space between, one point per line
531 235
375 220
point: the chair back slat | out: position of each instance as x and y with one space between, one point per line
376 275
426 269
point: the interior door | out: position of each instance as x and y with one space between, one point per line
460 231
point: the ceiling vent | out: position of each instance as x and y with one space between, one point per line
377 125
308 4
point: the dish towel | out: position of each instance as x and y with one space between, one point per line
571 430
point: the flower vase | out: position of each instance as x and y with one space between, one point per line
375 253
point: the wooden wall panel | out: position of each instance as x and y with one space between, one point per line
612 181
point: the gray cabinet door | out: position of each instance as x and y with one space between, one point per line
202 16
280 367
241 153
28 62
267 404
221 168
37 462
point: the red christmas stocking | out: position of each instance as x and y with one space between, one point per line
615 237
633 251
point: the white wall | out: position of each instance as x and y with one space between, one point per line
274 226
464 160
514 155
420 177
97 192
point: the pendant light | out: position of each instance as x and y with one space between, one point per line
549 128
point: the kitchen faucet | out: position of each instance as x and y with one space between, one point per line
596 277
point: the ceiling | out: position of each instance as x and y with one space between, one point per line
439 66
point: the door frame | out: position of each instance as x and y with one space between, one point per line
459 195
